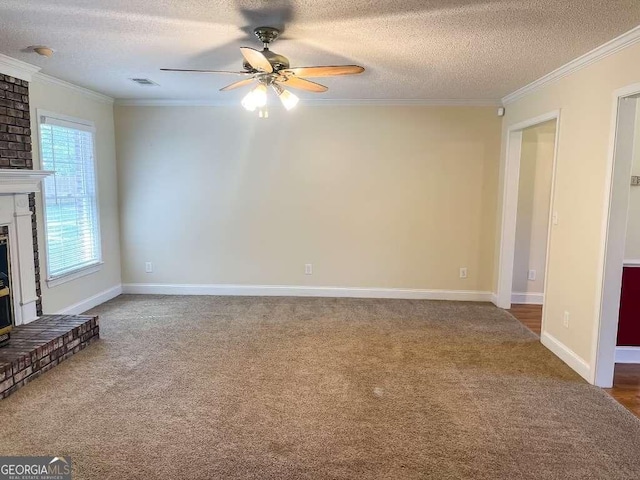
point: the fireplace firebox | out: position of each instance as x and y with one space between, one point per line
6 307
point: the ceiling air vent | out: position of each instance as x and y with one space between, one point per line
145 82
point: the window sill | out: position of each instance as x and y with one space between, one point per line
68 277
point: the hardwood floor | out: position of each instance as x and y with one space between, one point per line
626 386
529 315
626 380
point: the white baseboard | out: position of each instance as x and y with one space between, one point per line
567 355
627 354
296 291
527 298
94 301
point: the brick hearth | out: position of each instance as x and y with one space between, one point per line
40 345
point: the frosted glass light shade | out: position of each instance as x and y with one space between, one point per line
288 99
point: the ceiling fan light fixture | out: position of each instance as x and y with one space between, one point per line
288 99
260 95
256 98
248 102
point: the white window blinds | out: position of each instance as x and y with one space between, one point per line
70 200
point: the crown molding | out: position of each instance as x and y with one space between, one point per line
25 71
140 102
17 68
419 102
160 102
48 79
619 43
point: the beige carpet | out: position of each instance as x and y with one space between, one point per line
285 388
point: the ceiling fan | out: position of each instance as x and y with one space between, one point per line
269 69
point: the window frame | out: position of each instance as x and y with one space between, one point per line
76 273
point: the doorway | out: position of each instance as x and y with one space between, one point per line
529 180
617 247
532 217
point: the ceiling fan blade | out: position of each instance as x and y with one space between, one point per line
303 84
256 59
326 71
204 71
239 84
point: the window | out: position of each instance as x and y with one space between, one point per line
72 226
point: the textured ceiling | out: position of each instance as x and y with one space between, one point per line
412 49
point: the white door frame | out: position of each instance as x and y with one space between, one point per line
510 204
611 259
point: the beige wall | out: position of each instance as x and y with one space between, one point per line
534 198
632 248
66 101
371 196
586 102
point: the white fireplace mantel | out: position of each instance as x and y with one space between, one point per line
15 185
21 181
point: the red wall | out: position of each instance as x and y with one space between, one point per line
629 324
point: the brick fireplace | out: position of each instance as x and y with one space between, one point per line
15 148
18 182
38 342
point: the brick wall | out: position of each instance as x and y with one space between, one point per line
15 124
15 145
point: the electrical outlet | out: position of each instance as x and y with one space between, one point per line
308 269
565 320
148 267
463 272
532 275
